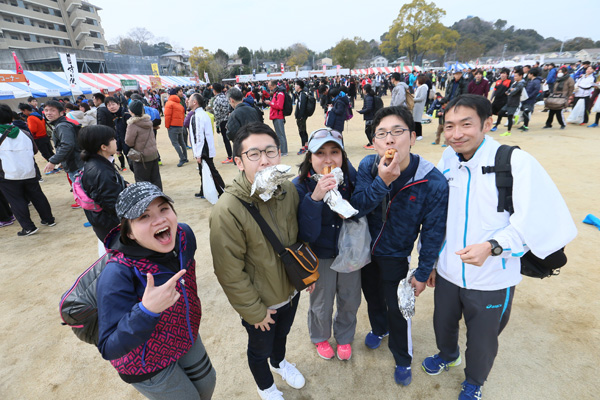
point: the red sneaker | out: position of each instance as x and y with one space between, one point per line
228 160
369 147
344 351
324 350
75 205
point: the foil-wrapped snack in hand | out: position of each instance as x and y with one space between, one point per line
334 199
268 180
406 296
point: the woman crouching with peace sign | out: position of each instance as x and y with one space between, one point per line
148 306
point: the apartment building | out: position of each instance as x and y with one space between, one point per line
26 24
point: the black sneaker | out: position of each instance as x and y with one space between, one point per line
26 232
199 195
46 223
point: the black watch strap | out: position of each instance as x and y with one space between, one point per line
496 248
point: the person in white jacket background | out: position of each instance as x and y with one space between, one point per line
203 142
479 264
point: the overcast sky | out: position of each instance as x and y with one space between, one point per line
228 24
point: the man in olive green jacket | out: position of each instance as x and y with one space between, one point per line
252 275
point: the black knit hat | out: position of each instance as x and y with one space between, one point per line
136 107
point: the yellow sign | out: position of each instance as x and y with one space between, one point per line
155 82
155 69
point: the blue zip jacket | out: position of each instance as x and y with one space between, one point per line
551 78
317 224
128 333
533 90
397 214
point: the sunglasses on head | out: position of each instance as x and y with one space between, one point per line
323 133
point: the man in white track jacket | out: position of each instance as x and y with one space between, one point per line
479 264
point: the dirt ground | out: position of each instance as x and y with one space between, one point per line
549 350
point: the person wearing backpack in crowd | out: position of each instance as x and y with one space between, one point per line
19 177
276 104
243 113
103 116
65 142
249 270
479 264
140 136
174 117
203 142
148 306
155 118
100 180
421 91
37 127
399 91
338 111
320 227
534 85
368 111
404 197
221 112
301 115
513 101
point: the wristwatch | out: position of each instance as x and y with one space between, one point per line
496 248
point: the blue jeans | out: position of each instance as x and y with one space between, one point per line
269 344
279 125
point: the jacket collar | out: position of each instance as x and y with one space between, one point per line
476 159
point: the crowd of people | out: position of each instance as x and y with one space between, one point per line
148 307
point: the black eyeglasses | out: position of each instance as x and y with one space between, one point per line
254 154
394 132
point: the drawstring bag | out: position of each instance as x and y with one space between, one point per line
354 246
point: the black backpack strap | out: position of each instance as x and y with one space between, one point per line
264 227
504 178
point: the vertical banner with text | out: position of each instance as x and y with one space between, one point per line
69 64
155 70
282 68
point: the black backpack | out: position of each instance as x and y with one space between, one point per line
311 104
288 104
79 306
531 265
377 104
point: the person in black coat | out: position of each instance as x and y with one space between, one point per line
368 112
120 117
300 115
338 113
103 116
100 180
456 86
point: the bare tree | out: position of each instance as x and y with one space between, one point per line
140 35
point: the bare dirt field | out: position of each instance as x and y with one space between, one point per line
549 350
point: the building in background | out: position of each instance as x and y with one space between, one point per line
42 23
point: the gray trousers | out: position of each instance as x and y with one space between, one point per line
192 377
279 125
345 289
486 314
176 136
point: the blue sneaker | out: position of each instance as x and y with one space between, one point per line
373 341
494 129
470 392
403 375
593 126
87 224
434 365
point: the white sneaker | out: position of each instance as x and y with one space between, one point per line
290 374
270 394
419 137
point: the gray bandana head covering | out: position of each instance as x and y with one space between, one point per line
133 201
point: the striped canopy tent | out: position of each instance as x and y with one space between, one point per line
385 70
41 84
112 82
458 66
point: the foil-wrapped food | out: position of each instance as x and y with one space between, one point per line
406 296
268 180
333 198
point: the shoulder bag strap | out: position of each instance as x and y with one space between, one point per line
264 227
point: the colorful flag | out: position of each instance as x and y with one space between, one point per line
18 67
282 68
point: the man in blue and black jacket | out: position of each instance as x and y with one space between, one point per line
401 196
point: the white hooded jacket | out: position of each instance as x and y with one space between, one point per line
201 130
541 222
